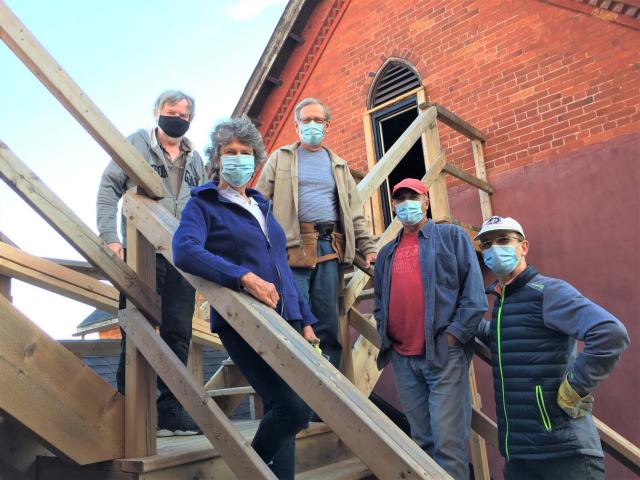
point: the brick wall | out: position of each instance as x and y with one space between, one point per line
537 79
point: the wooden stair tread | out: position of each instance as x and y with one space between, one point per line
350 469
176 451
226 392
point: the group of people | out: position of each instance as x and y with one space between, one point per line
283 243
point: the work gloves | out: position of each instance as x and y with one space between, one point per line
571 402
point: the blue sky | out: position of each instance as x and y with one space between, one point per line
122 54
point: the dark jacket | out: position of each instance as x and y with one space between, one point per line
115 182
454 298
220 241
535 324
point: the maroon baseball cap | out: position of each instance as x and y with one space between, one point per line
410 183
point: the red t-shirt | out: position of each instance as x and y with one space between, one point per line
406 325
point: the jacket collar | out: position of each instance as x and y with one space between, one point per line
212 189
426 231
520 281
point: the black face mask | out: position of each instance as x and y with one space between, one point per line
175 127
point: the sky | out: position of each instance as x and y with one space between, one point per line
122 53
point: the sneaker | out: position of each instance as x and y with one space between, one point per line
175 421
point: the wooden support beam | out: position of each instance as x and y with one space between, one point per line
140 413
467 177
379 173
477 446
194 362
50 276
78 266
92 348
36 58
201 334
364 324
378 442
481 173
55 395
235 450
39 197
438 197
227 376
484 426
346 360
454 121
5 287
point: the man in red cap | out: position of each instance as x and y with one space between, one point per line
429 300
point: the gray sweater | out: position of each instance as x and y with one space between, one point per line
115 182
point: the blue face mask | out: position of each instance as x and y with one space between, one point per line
409 212
502 260
237 170
311 133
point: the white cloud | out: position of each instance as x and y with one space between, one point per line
248 9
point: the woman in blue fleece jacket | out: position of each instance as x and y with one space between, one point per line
228 235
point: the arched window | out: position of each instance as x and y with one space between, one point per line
393 80
393 106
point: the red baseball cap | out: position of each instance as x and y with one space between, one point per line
410 183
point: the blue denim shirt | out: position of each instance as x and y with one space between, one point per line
454 297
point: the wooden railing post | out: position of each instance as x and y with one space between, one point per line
195 361
346 365
140 381
481 173
5 287
439 200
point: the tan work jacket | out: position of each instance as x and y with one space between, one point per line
279 182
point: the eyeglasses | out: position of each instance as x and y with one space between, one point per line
313 119
501 241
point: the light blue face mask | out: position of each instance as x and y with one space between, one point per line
502 260
409 212
237 170
311 133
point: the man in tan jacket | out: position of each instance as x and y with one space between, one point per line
316 201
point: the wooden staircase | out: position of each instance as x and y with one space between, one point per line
73 425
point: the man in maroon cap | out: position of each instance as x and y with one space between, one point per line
429 300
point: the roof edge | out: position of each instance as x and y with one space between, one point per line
275 44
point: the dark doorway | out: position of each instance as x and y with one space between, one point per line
388 125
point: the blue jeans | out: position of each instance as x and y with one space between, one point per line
437 403
285 412
319 288
576 467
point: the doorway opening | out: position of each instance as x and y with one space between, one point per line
388 125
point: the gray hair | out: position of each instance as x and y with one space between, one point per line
311 101
172 97
240 129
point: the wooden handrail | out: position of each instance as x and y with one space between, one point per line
378 174
454 121
467 177
44 67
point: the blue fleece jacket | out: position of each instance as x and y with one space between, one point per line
220 241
